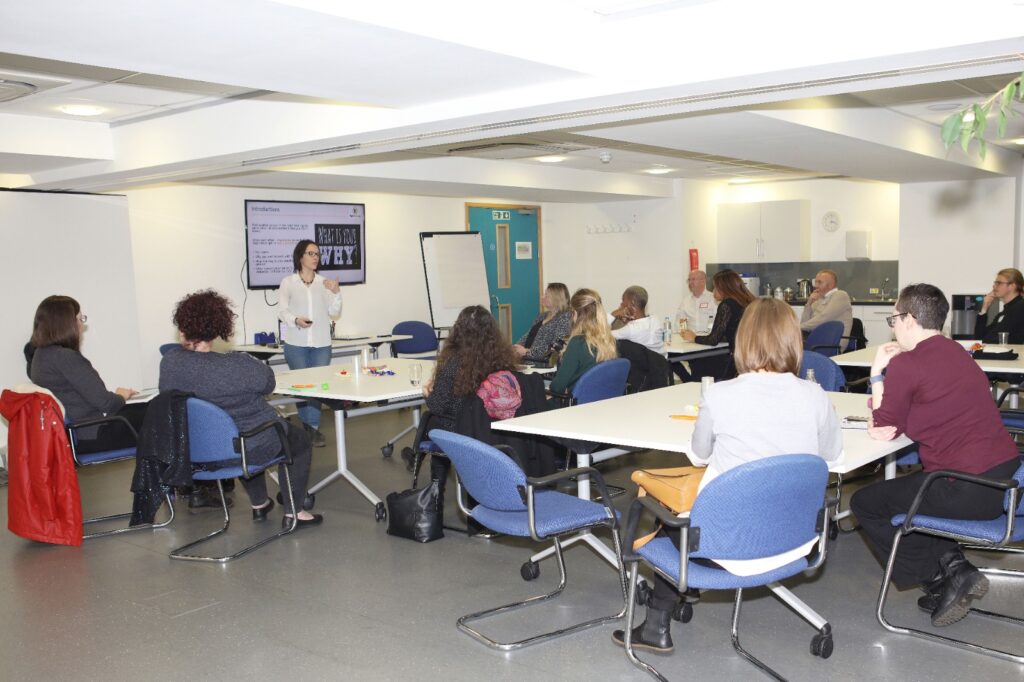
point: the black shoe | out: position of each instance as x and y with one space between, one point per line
317 519
964 582
203 498
314 435
932 592
260 513
409 455
652 635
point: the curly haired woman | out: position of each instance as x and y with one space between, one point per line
235 382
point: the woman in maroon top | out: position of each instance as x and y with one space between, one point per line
935 393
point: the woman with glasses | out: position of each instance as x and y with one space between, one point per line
1007 288
58 366
308 303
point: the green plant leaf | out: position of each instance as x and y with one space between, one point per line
980 120
982 148
1002 123
951 128
965 137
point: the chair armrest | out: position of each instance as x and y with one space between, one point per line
544 481
1006 484
282 435
102 420
666 518
1009 389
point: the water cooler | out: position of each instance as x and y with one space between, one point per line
965 313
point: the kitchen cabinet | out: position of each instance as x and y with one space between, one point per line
764 232
876 329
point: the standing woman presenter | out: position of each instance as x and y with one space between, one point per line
308 303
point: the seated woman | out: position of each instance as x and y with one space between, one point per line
549 328
590 341
764 412
926 386
57 365
1007 288
732 297
236 382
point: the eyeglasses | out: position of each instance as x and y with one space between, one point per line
314 254
83 318
999 283
891 320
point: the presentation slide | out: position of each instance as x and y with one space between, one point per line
273 228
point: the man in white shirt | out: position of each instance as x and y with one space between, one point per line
827 303
699 307
636 324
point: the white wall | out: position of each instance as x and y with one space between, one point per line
863 206
79 246
186 238
628 242
957 235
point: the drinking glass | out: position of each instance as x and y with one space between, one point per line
1004 338
705 384
416 374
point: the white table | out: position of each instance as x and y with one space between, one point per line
678 349
374 342
865 356
643 421
373 393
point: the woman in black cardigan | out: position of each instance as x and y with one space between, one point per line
733 297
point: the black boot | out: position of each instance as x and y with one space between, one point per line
932 592
651 635
963 583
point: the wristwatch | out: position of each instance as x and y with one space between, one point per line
875 379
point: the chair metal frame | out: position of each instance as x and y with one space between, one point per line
79 464
612 523
689 541
238 444
388 448
908 526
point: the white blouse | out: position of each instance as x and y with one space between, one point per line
314 302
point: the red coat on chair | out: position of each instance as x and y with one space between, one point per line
43 503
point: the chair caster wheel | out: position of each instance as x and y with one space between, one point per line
683 612
833 530
821 645
643 594
309 502
379 512
387 450
529 570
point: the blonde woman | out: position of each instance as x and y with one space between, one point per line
590 340
550 326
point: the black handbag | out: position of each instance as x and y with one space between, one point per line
415 514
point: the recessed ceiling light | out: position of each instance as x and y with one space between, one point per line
81 109
659 170
551 159
944 106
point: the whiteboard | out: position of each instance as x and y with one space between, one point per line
453 264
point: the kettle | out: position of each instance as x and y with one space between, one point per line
804 289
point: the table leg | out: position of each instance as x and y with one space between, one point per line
343 470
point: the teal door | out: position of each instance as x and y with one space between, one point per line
510 236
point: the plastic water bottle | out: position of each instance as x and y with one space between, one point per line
810 376
666 330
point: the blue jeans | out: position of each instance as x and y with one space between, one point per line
301 357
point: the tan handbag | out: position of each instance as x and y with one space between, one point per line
676 488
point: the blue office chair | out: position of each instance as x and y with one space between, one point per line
993 535
217 452
508 502
825 338
165 347
826 372
424 340
118 455
756 510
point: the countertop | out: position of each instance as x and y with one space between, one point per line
855 301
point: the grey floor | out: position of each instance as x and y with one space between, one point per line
347 601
